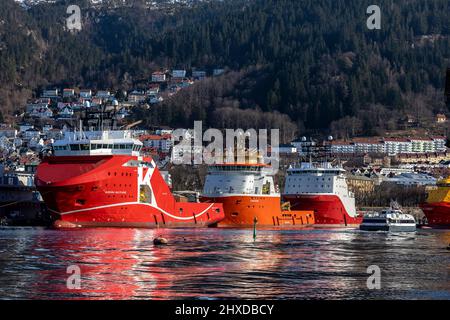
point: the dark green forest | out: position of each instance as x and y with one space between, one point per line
297 64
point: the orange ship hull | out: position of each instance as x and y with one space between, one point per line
240 211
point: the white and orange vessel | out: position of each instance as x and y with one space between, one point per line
323 189
99 179
247 191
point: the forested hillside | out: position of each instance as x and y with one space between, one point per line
309 64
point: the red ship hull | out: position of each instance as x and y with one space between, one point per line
328 210
102 191
438 214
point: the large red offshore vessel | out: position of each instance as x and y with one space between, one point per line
323 189
248 194
437 206
99 179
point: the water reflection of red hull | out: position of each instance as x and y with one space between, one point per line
116 191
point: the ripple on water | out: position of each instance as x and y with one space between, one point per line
218 263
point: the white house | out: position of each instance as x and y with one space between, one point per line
102 94
32 107
158 77
285 149
179 74
43 113
86 94
137 96
32 133
66 112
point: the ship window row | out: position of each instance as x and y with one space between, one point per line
307 186
317 179
309 172
95 146
236 168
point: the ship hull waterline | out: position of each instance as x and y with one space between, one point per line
241 211
329 212
101 191
437 214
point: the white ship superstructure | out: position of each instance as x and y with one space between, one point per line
322 188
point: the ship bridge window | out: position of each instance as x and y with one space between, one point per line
84 147
75 147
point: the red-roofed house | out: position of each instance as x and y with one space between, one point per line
160 143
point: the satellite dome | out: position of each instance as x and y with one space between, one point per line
87 104
115 103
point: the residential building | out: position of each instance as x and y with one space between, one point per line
24 127
413 179
179 74
32 107
441 118
137 96
368 145
339 147
66 112
8 132
53 93
199 75
43 113
422 145
360 184
103 94
160 143
440 143
285 149
158 76
395 146
32 133
305 146
86 94
68 93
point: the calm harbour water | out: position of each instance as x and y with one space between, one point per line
217 263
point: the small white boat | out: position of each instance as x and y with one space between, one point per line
391 219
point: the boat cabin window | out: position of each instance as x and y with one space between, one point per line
75 147
58 148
